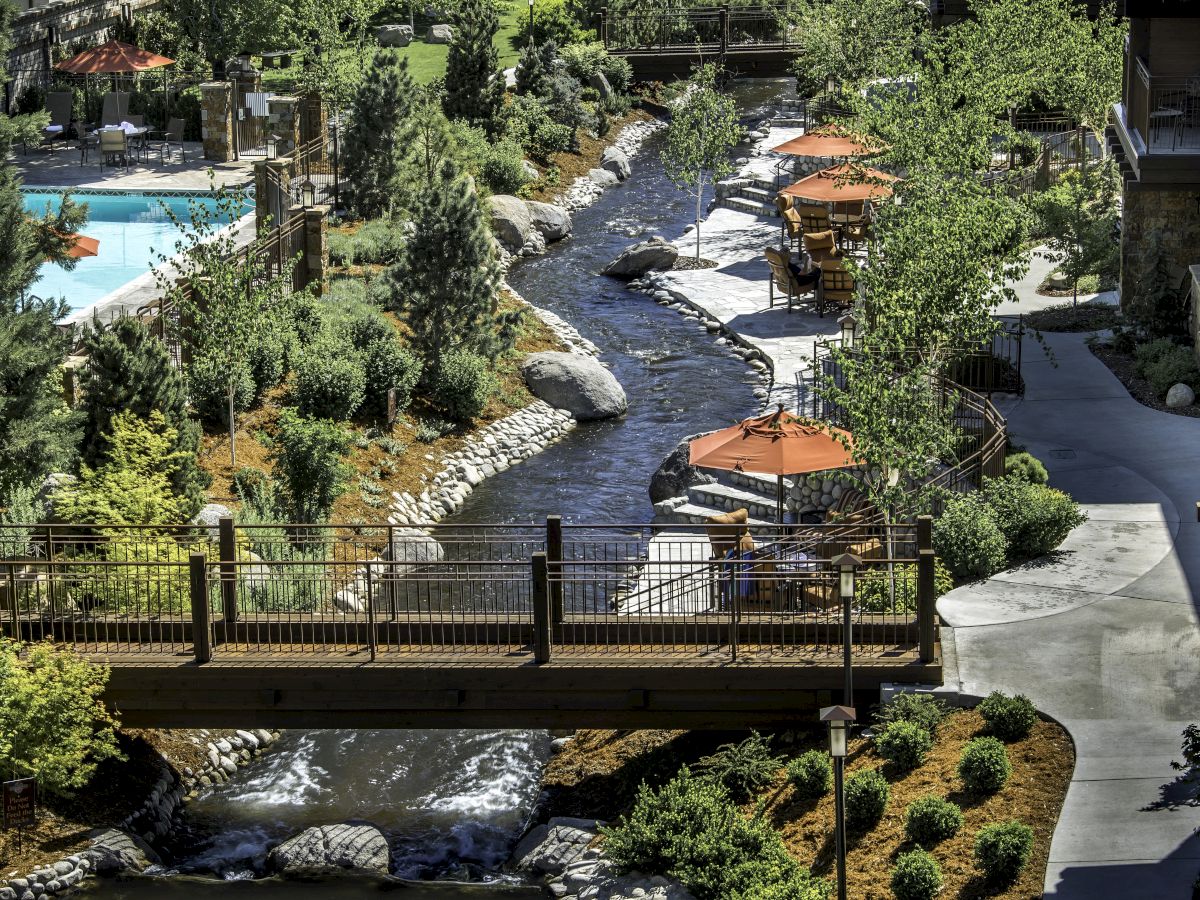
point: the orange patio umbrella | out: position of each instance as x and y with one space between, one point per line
79 246
779 444
113 58
831 141
843 184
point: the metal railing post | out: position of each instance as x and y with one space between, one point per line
198 589
926 611
541 609
554 558
227 549
372 639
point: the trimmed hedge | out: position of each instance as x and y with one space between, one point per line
1002 850
983 765
462 385
917 876
1008 718
867 793
809 774
930 820
925 710
903 744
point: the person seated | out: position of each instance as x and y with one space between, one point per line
805 273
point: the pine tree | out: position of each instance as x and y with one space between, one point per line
129 371
38 433
376 140
535 69
474 85
446 284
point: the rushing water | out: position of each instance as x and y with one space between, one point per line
453 801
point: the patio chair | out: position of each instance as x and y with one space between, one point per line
171 137
848 212
814 218
837 288
783 278
854 235
114 144
115 108
58 104
793 227
821 245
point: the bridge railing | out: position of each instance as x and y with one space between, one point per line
711 28
328 592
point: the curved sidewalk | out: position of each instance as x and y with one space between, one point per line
1103 633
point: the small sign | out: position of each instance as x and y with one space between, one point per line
20 802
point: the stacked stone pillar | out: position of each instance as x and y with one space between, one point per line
283 116
216 120
316 249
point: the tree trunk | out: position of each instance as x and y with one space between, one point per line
699 201
232 429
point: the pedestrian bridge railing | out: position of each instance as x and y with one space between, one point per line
523 593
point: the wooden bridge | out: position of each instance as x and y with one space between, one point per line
664 44
474 626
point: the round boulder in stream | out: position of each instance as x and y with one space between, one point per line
576 383
639 259
358 846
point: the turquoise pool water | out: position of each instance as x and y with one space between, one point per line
132 229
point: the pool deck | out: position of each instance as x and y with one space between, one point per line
60 168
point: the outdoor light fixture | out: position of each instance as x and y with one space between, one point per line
848 323
847 565
308 194
840 718
531 25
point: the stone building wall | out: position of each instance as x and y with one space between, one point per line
88 21
1154 221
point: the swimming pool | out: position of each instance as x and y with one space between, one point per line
132 227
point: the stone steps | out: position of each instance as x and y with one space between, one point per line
697 514
728 497
750 206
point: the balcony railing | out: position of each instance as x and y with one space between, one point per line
1163 111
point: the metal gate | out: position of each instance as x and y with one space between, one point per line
251 129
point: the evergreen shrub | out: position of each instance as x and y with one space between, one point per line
968 539
921 709
1027 467
330 383
903 744
742 768
1008 718
867 794
916 876
983 765
809 774
462 385
930 820
1002 850
1033 518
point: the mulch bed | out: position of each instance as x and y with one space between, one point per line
598 773
1121 365
1065 317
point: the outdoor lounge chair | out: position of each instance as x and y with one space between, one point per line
58 104
821 245
115 108
783 278
837 288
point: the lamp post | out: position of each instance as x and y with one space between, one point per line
531 25
847 564
848 324
839 719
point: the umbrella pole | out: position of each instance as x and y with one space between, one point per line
779 500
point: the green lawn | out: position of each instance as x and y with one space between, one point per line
428 61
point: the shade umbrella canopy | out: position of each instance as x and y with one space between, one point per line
83 246
113 58
778 443
833 142
843 184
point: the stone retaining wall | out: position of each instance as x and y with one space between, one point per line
154 819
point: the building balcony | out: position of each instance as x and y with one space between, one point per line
1158 126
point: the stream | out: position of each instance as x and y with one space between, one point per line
454 801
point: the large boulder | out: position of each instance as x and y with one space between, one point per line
359 846
439 34
676 475
599 81
210 516
552 221
1180 395
616 162
47 494
511 220
603 177
394 35
411 547
114 851
639 259
576 383
548 849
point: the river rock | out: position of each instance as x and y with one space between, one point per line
552 221
115 851
439 34
359 846
576 383
616 162
676 474
550 848
210 516
603 177
394 35
641 258
511 220
48 491
1180 395
411 547
530 170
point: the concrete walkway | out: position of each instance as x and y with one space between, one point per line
1103 633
